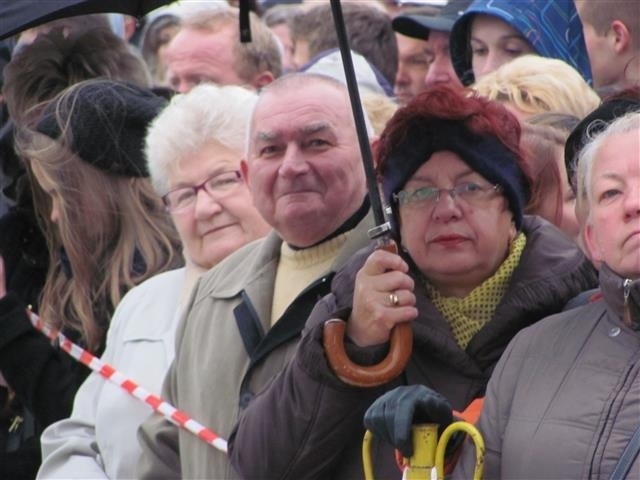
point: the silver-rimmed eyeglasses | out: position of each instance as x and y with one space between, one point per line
216 186
469 192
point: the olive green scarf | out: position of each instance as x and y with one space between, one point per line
468 315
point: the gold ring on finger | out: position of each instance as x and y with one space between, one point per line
393 299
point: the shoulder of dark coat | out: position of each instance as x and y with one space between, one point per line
550 253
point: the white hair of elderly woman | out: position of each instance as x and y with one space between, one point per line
627 123
190 121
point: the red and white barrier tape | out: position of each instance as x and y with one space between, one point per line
167 410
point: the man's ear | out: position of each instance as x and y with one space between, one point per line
244 169
621 36
262 79
594 252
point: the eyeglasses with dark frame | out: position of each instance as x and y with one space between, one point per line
469 192
216 186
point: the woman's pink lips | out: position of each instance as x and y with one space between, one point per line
448 240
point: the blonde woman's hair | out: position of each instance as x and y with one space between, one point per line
114 231
627 123
206 113
379 109
536 84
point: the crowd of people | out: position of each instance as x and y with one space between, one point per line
193 209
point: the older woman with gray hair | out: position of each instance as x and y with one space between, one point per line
193 151
567 390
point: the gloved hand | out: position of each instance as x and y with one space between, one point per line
391 416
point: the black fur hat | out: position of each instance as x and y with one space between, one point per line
108 122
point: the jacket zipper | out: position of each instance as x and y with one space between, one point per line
626 291
15 423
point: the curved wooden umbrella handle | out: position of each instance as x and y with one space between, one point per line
393 364
358 375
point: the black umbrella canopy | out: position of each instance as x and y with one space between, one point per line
19 15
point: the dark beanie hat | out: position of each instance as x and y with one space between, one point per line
485 154
108 122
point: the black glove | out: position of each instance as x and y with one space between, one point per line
391 416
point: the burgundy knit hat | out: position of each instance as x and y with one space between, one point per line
485 154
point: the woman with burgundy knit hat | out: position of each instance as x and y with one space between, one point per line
563 400
472 271
106 231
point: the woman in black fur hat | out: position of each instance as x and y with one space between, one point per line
106 232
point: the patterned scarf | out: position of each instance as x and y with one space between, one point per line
468 315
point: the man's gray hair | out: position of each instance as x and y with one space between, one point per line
291 80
